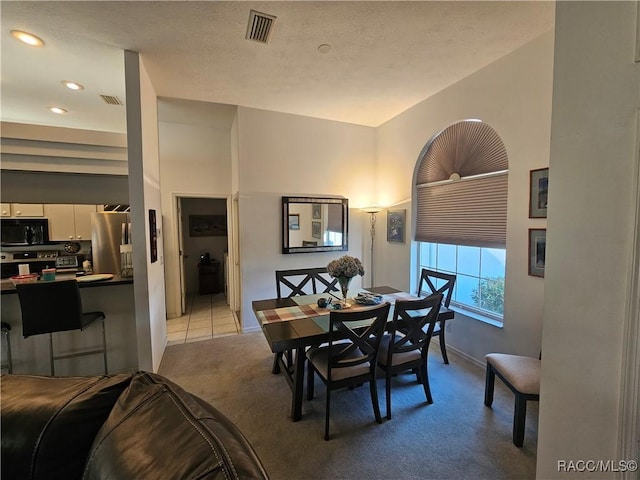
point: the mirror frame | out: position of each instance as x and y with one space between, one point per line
286 201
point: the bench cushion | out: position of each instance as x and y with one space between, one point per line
522 373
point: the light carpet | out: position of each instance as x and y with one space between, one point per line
456 437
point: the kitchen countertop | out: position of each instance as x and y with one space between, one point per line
7 287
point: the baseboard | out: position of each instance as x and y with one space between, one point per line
251 329
459 353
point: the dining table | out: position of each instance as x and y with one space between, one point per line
293 324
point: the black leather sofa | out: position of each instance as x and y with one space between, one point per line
127 426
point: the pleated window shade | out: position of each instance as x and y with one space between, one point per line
473 210
334 218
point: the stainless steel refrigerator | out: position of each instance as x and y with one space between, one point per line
109 230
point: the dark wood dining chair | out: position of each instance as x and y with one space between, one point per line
301 281
437 282
406 347
50 307
350 358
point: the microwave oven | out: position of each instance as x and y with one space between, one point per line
24 231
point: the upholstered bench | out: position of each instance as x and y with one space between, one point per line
522 376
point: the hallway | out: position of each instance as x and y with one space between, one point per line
206 317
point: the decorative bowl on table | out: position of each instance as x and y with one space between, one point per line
28 278
366 298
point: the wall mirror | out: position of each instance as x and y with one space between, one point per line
314 224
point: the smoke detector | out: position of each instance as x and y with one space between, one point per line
259 26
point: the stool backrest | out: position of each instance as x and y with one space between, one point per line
50 307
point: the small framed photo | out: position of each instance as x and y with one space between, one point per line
537 251
396 221
315 230
316 211
294 221
538 191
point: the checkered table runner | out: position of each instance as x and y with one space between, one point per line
286 314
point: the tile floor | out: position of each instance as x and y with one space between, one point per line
206 316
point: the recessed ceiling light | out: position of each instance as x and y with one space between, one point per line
324 48
72 85
58 110
28 38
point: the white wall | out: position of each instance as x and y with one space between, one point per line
144 192
592 212
513 95
282 154
195 160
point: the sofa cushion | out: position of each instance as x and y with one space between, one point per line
49 423
157 430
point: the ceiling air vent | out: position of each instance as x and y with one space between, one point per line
260 26
111 100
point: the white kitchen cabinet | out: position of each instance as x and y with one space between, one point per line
68 222
82 218
5 209
27 210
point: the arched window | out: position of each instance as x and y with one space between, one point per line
461 212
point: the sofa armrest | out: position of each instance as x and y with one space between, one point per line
157 430
49 423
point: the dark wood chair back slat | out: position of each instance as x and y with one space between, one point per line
430 279
304 281
345 325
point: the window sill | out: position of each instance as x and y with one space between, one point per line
477 316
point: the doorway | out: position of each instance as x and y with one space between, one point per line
203 248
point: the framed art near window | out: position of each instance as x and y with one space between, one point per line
315 230
537 251
396 220
316 211
538 191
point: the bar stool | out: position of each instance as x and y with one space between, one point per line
5 333
49 307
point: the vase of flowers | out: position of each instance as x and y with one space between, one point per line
344 269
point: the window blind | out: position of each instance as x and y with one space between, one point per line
466 212
472 210
334 218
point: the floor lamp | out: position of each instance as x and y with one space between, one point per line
372 211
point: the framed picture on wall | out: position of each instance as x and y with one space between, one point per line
207 225
396 220
294 221
315 229
537 251
538 191
153 236
316 211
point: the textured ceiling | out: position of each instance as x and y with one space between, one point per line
384 57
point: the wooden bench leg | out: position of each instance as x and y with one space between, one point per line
490 381
519 416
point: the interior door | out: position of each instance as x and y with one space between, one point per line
183 294
234 258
